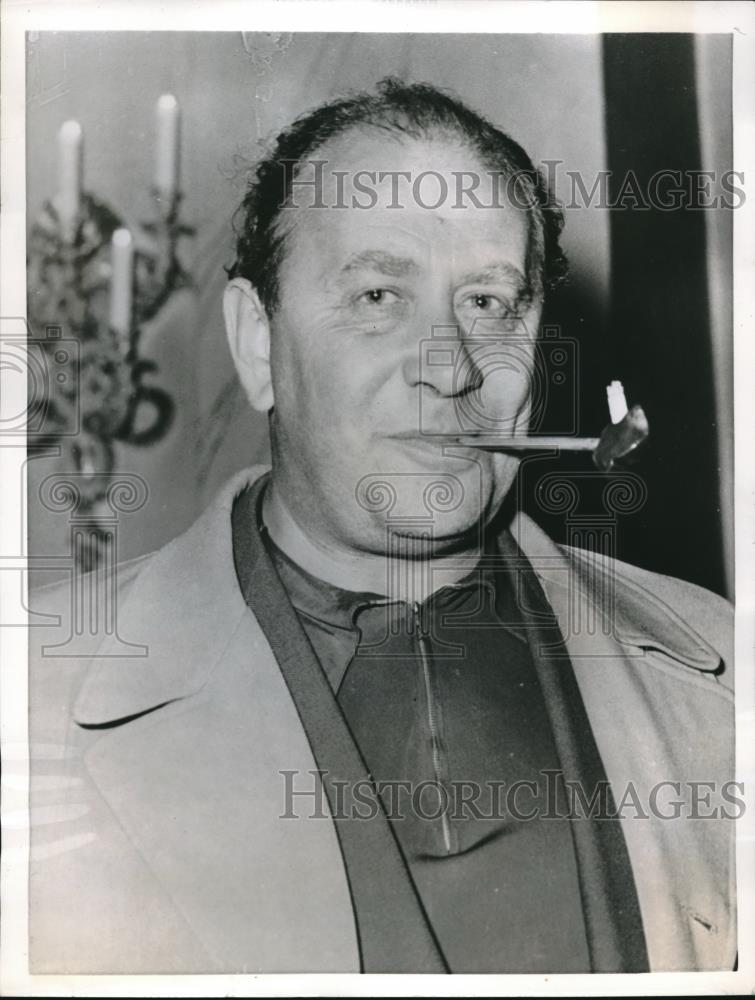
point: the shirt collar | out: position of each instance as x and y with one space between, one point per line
339 607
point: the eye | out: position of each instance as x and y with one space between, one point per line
499 309
378 297
487 304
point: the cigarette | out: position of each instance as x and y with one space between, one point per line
616 441
494 442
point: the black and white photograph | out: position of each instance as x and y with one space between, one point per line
378 498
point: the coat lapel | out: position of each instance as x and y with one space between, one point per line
644 703
198 784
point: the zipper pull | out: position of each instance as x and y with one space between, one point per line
432 715
419 623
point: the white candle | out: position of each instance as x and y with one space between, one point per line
68 198
121 283
168 140
617 404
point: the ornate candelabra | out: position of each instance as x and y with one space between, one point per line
92 285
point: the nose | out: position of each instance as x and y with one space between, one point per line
443 364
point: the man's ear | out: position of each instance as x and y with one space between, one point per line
248 330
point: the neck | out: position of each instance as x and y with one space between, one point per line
398 579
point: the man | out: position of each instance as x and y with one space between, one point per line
367 730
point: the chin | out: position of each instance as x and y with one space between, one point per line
450 501
442 532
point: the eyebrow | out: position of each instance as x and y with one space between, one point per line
379 260
399 267
497 272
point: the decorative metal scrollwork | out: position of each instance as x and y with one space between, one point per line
96 381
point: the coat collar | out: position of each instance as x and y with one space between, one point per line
185 606
597 592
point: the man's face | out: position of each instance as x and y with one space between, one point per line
396 324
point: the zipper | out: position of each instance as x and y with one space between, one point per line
432 716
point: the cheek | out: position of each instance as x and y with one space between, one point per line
323 385
510 376
299 361
507 386
507 373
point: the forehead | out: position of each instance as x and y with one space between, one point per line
431 198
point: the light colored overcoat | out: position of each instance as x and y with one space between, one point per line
158 844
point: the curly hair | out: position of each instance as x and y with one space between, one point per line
419 111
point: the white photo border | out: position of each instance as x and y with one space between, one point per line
18 18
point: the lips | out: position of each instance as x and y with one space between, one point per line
421 442
428 437
428 448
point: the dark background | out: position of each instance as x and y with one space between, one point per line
659 337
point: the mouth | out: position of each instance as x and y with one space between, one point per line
437 445
419 440
429 437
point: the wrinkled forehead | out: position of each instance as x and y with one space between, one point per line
437 188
